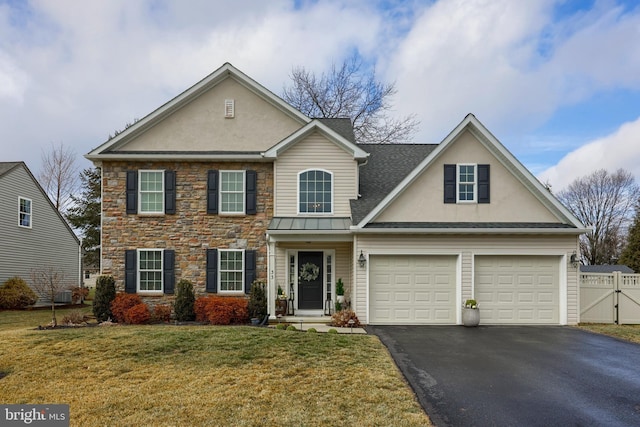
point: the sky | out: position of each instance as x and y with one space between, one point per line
557 82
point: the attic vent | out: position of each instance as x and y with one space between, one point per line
229 108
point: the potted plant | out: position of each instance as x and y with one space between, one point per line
340 291
257 304
470 313
281 302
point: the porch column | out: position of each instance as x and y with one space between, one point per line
271 278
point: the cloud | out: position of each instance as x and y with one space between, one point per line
621 149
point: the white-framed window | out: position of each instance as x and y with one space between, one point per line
467 183
231 270
232 192
315 192
151 191
24 212
150 270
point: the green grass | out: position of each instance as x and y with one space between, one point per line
203 375
625 332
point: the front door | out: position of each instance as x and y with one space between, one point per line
310 281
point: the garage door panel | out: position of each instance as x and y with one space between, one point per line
517 289
416 289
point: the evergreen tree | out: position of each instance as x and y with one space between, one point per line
631 254
84 215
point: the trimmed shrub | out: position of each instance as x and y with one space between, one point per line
185 300
281 326
341 319
161 313
291 328
312 330
16 294
104 296
122 303
221 310
332 331
257 305
137 315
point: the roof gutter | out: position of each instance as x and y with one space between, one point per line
560 231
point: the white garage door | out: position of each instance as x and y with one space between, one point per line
412 289
518 289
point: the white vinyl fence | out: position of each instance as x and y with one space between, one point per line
610 298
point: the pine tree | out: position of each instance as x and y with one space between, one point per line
84 215
631 254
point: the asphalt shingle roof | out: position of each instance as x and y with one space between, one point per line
387 166
606 269
341 126
7 166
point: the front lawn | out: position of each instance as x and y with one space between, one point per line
625 332
204 375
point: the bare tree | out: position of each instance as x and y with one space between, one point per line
604 202
59 175
348 91
49 281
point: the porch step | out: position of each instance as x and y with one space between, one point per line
301 319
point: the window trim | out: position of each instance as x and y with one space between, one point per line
298 192
30 213
139 191
474 183
139 271
220 271
220 192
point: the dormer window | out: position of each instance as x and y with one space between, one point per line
315 192
467 183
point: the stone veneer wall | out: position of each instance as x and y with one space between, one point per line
191 230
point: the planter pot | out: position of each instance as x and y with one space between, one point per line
470 317
281 307
340 299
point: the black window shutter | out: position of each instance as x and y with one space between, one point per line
249 270
449 183
130 272
212 270
483 184
170 192
212 192
169 270
132 192
250 193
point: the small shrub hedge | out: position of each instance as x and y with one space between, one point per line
78 294
122 303
75 317
104 296
221 310
161 313
15 294
341 319
137 315
185 299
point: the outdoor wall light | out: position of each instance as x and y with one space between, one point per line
362 260
574 259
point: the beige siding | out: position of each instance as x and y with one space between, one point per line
423 200
315 152
201 125
467 247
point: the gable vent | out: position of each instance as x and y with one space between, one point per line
229 108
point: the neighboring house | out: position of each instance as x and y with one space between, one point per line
606 268
227 184
33 234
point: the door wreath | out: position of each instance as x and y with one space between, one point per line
309 272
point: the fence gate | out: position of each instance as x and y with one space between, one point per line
610 298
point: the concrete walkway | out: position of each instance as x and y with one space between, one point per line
322 327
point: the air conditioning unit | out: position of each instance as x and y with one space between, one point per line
63 297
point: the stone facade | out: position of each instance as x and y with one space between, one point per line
190 231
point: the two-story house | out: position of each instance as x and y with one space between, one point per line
33 234
227 183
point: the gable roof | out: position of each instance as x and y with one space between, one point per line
224 72
5 167
472 124
327 131
387 166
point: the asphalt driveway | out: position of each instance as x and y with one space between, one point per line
518 376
